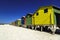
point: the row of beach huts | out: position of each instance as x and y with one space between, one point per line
45 16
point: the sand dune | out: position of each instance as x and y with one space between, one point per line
9 32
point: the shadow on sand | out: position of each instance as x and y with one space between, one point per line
49 31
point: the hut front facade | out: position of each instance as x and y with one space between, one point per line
43 16
23 21
29 19
18 22
47 16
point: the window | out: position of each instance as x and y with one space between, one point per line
45 10
37 14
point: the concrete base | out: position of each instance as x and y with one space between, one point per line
32 27
35 27
53 29
41 29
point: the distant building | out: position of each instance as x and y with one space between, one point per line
18 22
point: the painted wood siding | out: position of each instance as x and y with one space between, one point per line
23 21
57 11
18 22
29 21
43 18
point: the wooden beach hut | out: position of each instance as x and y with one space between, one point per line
47 16
29 20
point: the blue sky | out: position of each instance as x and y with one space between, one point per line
10 10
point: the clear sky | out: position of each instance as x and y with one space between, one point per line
10 10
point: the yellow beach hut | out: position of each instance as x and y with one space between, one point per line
46 16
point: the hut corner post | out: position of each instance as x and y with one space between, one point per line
41 29
35 27
32 27
53 29
53 26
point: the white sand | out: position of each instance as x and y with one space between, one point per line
9 32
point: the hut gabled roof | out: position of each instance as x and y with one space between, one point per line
53 6
23 16
19 19
29 14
